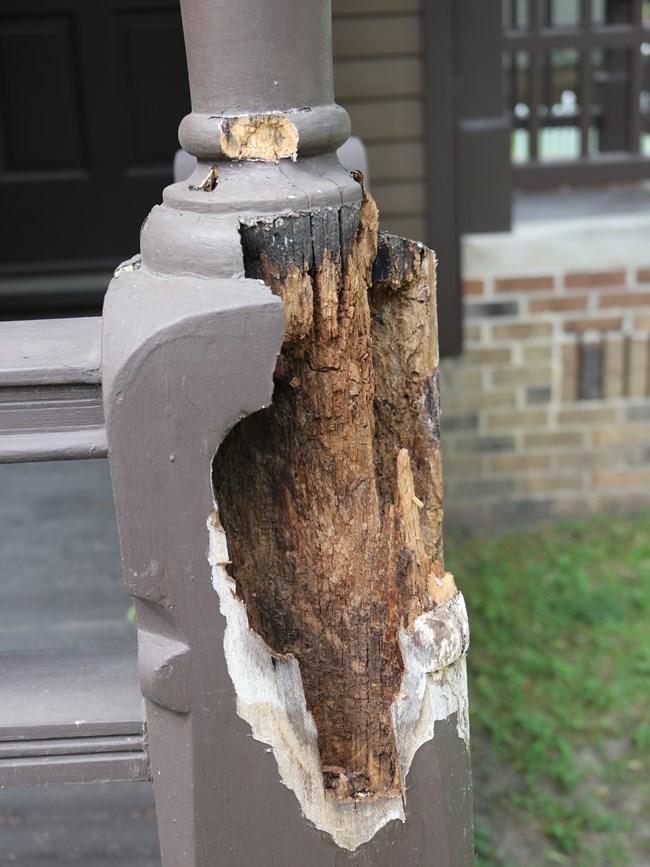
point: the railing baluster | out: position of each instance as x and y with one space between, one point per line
535 80
635 71
585 78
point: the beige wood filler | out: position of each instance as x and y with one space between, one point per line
345 632
267 137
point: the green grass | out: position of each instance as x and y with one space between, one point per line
559 672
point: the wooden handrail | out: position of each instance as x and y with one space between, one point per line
50 390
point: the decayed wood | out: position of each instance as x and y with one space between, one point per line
334 539
405 361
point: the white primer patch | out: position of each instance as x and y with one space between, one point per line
271 699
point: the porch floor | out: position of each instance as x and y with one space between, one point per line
61 588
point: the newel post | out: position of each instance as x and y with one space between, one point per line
304 677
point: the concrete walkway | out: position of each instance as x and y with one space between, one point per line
61 586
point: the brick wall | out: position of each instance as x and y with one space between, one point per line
548 410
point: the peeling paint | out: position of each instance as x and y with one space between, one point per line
132 264
209 183
267 137
271 699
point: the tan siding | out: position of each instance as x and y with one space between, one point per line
371 37
373 7
399 198
385 120
378 79
406 227
361 79
397 160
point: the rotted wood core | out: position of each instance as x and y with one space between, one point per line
331 497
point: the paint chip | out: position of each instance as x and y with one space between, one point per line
268 137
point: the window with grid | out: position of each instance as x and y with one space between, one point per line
577 85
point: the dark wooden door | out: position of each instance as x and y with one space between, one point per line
91 95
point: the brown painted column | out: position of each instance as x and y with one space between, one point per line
191 336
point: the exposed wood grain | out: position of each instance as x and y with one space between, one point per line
405 362
333 528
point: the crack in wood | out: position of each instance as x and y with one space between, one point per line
331 498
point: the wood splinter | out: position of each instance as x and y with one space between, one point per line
331 497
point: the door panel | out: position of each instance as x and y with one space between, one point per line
27 45
91 95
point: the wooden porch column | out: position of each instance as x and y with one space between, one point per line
269 323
